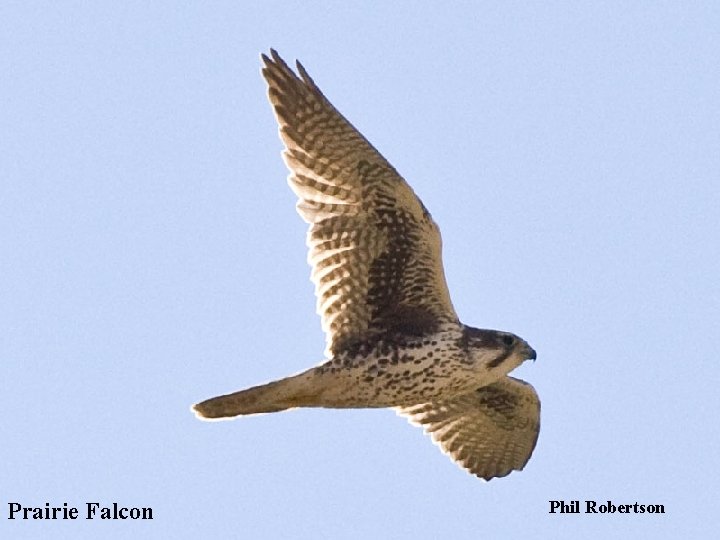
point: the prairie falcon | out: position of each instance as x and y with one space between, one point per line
393 337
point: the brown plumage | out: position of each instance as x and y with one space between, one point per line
393 337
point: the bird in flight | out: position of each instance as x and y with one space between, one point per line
393 338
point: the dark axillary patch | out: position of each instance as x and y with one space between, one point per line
394 289
409 321
498 400
398 285
388 274
399 329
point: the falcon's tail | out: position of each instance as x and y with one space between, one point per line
265 398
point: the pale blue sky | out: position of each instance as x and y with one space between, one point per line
151 257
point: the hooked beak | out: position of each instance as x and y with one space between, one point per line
530 353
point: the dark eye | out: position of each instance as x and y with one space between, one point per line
508 340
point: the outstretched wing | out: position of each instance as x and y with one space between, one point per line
489 432
374 249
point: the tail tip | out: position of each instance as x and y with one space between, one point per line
205 411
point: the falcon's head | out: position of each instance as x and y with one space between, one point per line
497 351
